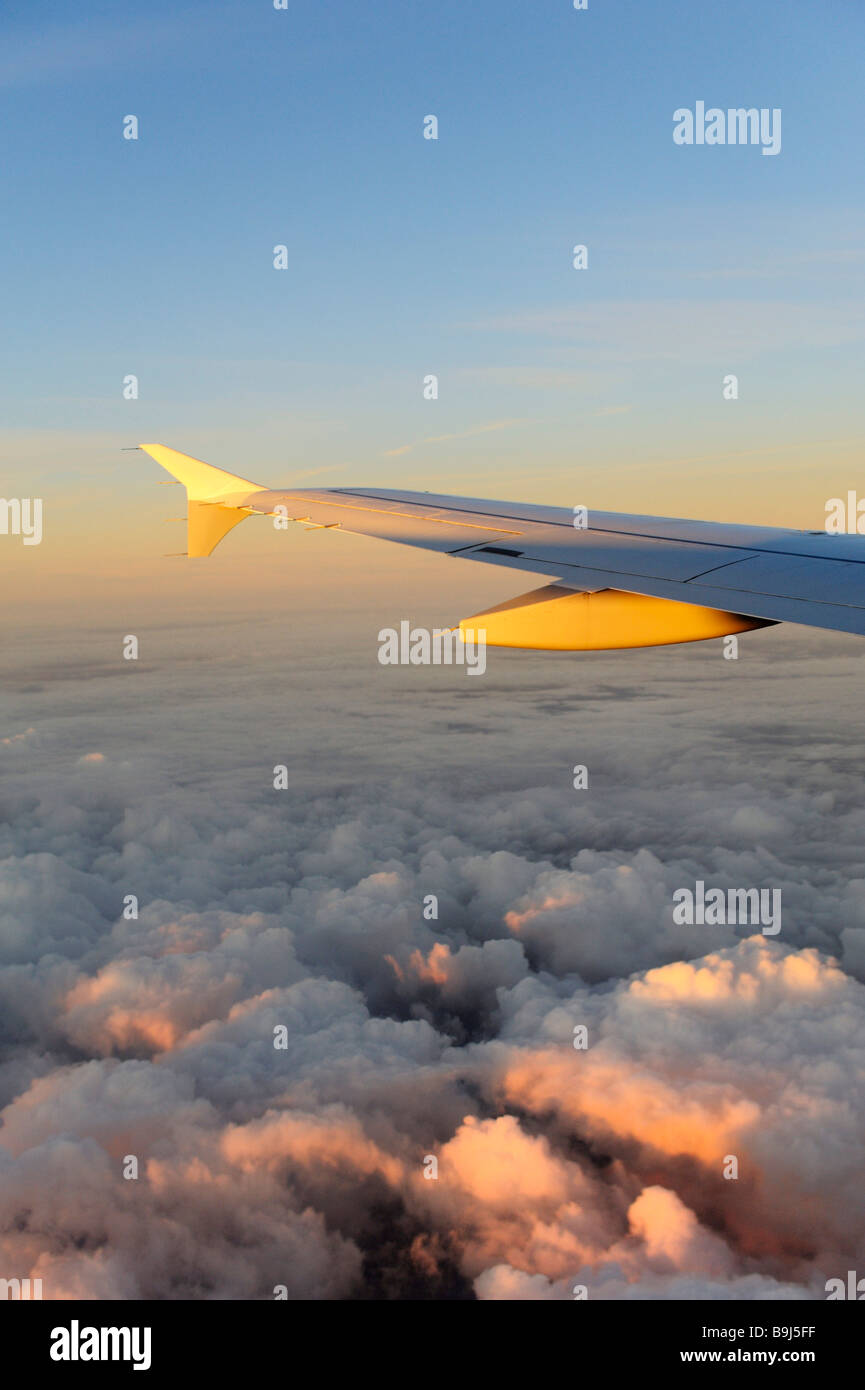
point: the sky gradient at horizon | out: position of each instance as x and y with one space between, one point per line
407 257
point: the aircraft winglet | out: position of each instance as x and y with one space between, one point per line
216 498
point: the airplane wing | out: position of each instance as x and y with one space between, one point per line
614 580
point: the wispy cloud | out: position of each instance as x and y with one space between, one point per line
687 330
780 266
314 472
575 380
50 53
491 428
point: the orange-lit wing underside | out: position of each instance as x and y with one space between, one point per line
557 619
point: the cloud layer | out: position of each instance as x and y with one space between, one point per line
329 1089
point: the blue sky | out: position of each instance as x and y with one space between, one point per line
407 256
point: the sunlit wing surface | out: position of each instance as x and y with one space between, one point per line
618 581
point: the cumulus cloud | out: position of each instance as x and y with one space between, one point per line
326 1087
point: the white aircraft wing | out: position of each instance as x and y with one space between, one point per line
616 580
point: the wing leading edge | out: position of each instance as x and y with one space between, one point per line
621 580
